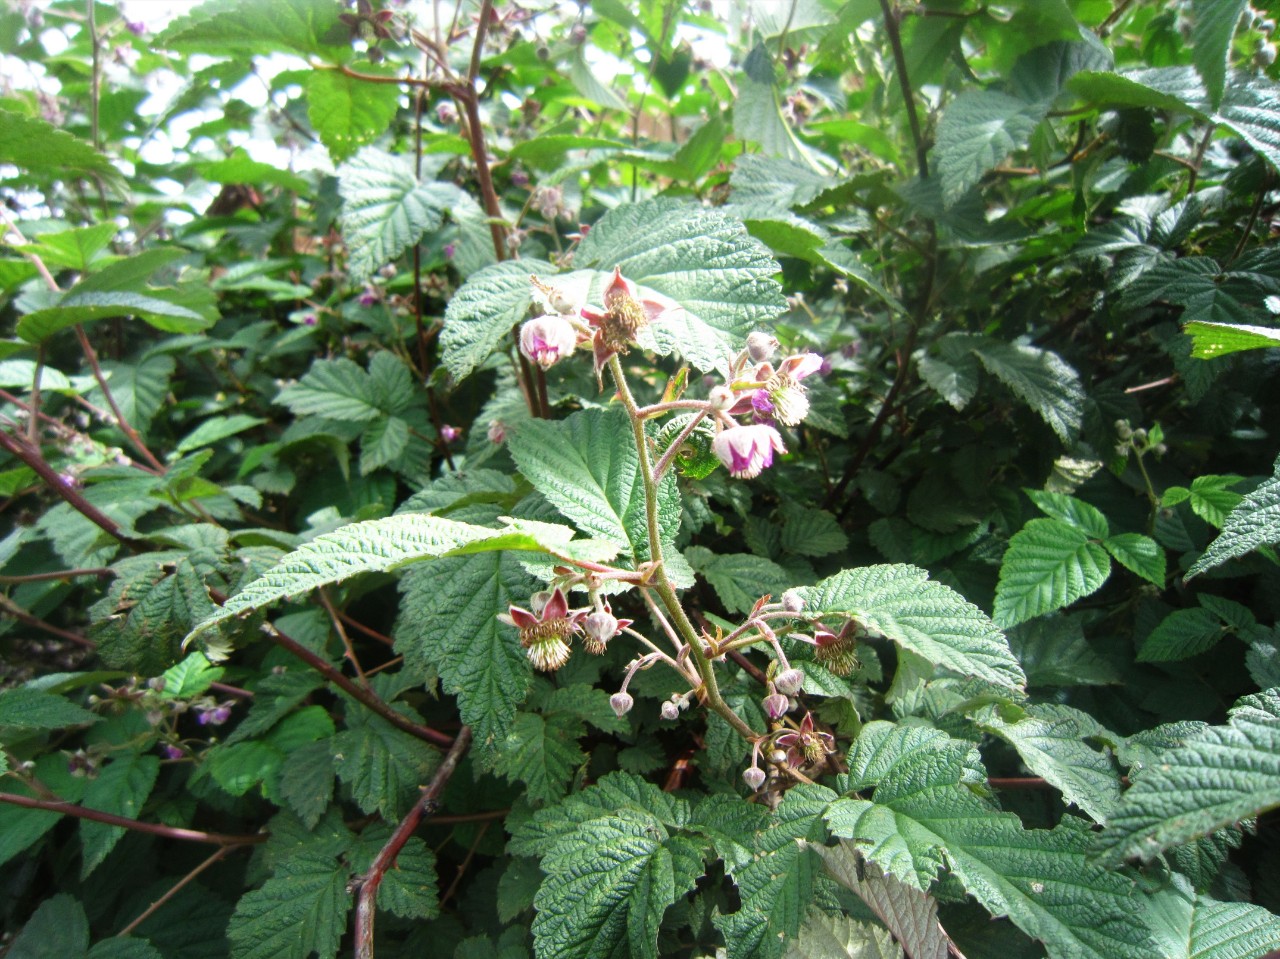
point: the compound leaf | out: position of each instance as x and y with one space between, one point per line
978 130
1049 564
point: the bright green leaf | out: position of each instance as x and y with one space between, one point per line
1049 565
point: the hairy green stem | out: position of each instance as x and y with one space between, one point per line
662 585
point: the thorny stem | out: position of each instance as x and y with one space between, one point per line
155 829
425 806
662 585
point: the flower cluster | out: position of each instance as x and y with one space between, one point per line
546 628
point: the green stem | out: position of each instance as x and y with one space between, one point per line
662 584
1151 493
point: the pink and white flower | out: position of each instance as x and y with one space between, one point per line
787 398
746 450
545 631
546 340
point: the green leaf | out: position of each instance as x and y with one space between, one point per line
1175 89
148 619
1214 339
121 788
382 443
1214 24
383 766
609 884
1050 740
1139 554
191 677
909 915
335 389
811 532
139 389
300 910
484 310
1203 288
720 278
305 783
1180 635
379 545
1253 524
757 112
542 752
231 27
450 623
78 306
1189 925
1074 512
349 112
979 129
58 929
1049 565
1043 380
38 145
216 429
409 887
589 85
1041 879
116 948
1218 776
924 617
587 467
739 579
386 209
1249 109
776 887
33 709
72 249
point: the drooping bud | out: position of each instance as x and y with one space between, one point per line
597 629
761 346
776 706
789 681
670 711
547 340
621 703
792 601
753 777
721 398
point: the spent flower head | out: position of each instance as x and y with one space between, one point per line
806 745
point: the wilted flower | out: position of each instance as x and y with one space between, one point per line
787 397
449 250
623 317
838 651
366 24
368 298
446 112
547 340
543 634
792 601
171 751
621 703
806 745
746 450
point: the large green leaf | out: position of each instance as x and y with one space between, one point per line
1041 879
1215 23
86 306
1211 340
1049 564
978 130
542 752
609 884
1253 524
824 936
1050 739
380 545
302 909
34 709
58 929
1041 378
484 310
1189 925
386 209
719 277
449 623
383 766
232 27
1218 776
121 788
38 145
587 467
925 617
349 112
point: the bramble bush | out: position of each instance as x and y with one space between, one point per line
771 478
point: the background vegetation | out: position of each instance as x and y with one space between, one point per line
274 463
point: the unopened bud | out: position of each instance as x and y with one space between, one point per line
670 711
621 703
776 706
792 601
753 777
789 681
761 346
722 399
597 629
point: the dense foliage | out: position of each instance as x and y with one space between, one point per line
763 479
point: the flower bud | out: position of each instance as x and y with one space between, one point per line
753 777
761 346
792 601
547 340
621 703
670 711
497 432
789 681
722 399
776 706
